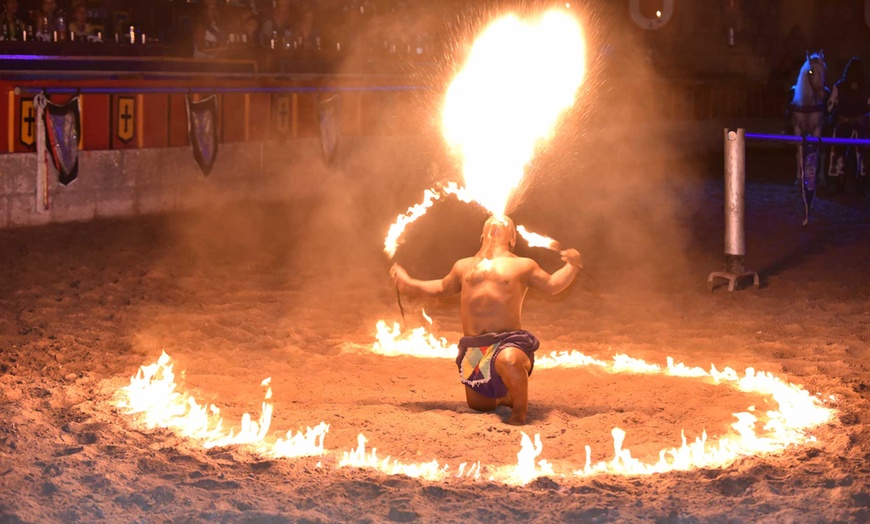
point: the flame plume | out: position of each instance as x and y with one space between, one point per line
519 78
536 240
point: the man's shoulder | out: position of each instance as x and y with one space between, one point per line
464 262
519 261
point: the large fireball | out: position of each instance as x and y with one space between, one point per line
519 78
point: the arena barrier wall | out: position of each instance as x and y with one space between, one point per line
136 159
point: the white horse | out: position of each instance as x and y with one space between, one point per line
808 111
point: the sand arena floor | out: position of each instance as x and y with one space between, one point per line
289 292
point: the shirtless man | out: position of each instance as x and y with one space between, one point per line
496 355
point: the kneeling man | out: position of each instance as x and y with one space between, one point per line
496 355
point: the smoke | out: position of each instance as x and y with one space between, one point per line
610 183
614 182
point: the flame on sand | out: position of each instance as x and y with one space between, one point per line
788 426
417 342
519 78
155 396
153 393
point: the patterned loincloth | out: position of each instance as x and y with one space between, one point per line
476 359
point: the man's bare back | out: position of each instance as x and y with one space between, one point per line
492 286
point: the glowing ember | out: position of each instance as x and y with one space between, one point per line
536 240
154 394
519 78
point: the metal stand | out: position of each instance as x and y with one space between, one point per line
734 271
735 204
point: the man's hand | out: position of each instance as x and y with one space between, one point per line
398 274
572 256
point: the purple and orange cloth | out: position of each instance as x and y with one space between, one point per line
477 354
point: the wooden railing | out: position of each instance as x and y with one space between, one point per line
121 110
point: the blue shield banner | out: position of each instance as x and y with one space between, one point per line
62 131
202 131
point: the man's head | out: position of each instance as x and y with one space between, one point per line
854 72
499 230
80 12
211 10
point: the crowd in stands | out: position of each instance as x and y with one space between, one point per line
46 22
373 27
233 28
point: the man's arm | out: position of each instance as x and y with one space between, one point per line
445 287
540 280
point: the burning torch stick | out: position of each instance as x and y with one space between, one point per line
536 240
399 301
391 243
401 307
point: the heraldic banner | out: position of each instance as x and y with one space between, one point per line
329 121
202 131
59 128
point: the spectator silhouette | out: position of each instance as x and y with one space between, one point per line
49 20
250 29
307 35
208 36
849 105
13 27
79 25
279 28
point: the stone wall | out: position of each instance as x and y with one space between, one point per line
146 181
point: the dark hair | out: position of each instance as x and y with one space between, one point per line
854 71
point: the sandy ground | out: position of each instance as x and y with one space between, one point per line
294 292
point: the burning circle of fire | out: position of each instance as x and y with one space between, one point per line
155 396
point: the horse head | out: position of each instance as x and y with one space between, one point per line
813 74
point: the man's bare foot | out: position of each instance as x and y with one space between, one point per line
517 419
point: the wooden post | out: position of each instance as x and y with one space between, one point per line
11 128
140 120
247 116
294 115
82 122
359 108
